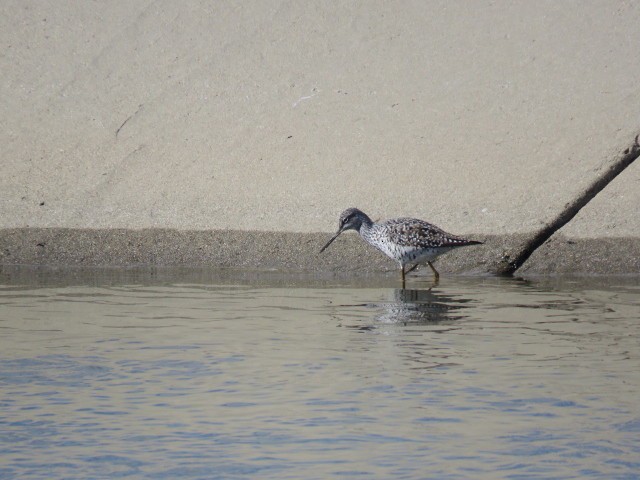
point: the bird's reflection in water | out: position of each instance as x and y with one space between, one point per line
406 317
421 306
415 307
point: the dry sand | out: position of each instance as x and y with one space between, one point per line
195 122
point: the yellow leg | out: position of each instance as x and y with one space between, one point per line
413 268
435 272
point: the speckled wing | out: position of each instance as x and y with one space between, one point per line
411 232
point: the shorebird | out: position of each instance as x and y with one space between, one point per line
406 240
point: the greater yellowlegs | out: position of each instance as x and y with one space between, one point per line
405 240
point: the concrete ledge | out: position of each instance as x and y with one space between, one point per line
298 252
602 256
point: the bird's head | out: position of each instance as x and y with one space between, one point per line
350 219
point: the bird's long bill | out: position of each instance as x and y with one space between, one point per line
330 241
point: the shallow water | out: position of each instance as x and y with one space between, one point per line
201 374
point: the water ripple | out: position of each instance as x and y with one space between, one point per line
477 378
